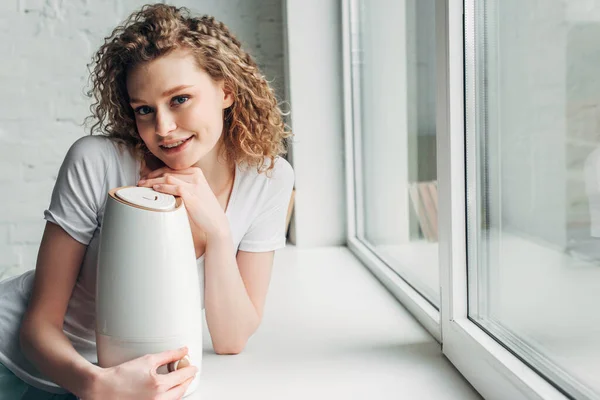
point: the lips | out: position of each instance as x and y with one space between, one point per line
173 142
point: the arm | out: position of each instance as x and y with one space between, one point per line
42 339
44 343
235 286
78 191
235 292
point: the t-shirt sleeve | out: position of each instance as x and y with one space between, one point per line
267 231
79 188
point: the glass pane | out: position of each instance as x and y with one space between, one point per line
533 162
395 90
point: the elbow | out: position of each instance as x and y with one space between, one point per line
25 339
230 349
236 343
29 333
23 335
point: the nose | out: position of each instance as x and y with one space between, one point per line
165 123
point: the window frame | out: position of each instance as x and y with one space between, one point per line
492 369
417 305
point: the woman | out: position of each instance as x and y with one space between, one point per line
183 109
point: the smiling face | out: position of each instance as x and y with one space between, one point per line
178 108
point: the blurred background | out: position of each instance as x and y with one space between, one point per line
362 81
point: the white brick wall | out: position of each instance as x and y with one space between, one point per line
45 46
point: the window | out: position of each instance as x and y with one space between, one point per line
509 93
533 174
393 106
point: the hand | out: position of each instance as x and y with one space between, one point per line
137 379
204 211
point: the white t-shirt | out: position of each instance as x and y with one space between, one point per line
256 211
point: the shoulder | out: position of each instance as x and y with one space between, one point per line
282 170
92 148
281 175
264 189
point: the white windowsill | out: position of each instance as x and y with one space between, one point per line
331 331
418 263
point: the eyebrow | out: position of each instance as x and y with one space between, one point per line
165 93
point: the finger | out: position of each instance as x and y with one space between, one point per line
157 172
179 376
175 190
164 170
168 356
170 178
150 182
177 392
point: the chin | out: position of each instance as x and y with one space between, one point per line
178 164
183 162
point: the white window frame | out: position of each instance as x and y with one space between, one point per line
493 370
417 305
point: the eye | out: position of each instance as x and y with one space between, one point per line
178 100
143 110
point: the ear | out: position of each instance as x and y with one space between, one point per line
227 96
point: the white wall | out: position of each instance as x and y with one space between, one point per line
314 70
388 141
45 47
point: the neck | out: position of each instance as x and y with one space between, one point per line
217 171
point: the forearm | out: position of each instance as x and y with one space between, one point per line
52 353
230 314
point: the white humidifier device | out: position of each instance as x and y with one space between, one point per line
148 288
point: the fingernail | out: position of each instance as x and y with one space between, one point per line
142 181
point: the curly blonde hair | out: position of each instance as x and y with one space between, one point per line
253 125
